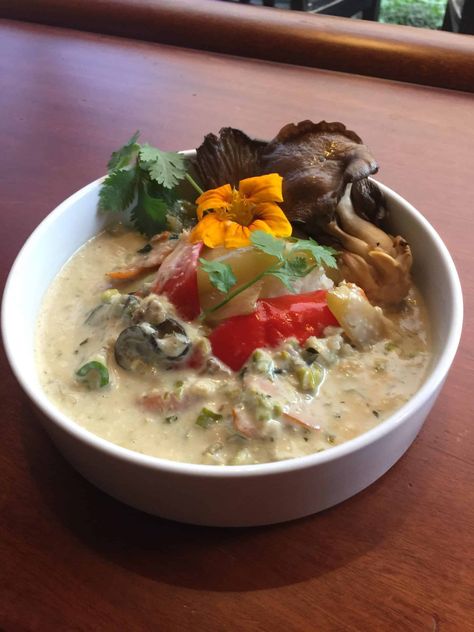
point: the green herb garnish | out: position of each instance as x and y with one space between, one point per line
267 243
220 274
290 264
164 167
122 157
94 374
207 417
142 180
323 255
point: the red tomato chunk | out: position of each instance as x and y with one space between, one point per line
275 320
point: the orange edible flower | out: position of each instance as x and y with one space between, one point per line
227 216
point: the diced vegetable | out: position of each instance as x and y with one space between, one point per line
263 362
309 377
208 417
95 374
363 323
243 423
177 278
276 319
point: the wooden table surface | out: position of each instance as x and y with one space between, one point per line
398 556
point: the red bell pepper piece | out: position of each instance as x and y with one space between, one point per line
177 278
275 319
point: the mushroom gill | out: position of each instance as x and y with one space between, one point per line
371 258
227 158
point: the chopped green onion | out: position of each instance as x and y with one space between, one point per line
207 417
94 374
309 377
263 362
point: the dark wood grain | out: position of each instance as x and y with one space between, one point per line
397 557
394 52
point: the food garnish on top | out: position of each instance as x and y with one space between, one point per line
325 194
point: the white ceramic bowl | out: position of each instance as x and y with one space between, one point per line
235 495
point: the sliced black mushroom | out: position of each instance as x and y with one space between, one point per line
172 339
151 345
227 158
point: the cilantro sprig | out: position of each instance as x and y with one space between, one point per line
294 260
142 180
220 274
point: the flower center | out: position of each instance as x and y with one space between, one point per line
241 209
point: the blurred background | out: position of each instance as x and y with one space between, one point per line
431 14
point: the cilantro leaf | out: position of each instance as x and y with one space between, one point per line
220 274
122 157
149 213
298 266
290 270
284 275
267 243
323 255
165 167
117 190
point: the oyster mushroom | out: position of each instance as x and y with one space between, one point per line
317 161
227 158
370 258
384 277
325 169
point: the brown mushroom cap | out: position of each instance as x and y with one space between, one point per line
317 161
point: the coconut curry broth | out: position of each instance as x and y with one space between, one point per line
281 405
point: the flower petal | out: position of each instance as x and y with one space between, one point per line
236 235
210 230
214 199
262 188
271 215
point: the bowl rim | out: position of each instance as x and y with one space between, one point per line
67 424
